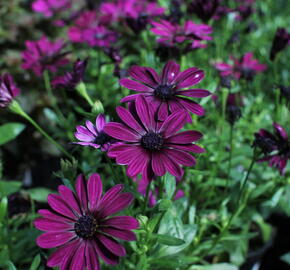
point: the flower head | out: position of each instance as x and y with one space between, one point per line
72 78
44 55
94 136
278 142
81 228
49 7
149 147
204 9
281 40
165 91
172 34
8 90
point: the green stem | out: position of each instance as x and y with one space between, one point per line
82 90
230 156
116 179
146 196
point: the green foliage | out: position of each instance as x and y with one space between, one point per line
10 131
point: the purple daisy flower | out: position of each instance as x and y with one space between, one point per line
8 90
278 142
280 42
80 226
150 147
44 55
94 136
204 9
49 7
165 92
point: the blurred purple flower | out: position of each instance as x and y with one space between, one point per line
49 7
8 90
281 40
72 78
44 55
172 34
81 228
150 147
165 91
204 9
278 142
94 136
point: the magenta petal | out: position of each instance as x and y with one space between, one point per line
121 234
144 75
109 195
191 106
131 154
172 167
187 147
54 239
136 86
91 127
58 204
78 260
157 164
95 189
119 149
92 260
84 137
112 245
45 224
180 157
281 132
105 254
185 137
100 122
69 197
137 164
82 192
169 72
66 263
129 98
195 93
144 112
50 215
122 222
189 77
173 123
121 132
128 119
162 111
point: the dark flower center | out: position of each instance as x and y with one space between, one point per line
164 91
152 141
265 144
85 227
102 138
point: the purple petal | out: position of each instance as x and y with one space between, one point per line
121 234
68 257
91 127
92 260
173 123
180 157
109 195
136 86
84 137
82 192
112 245
281 132
162 111
157 164
130 98
105 254
69 197
187 147
100 122
78 261
121 132
45 224
144 112
185 137
127 118
130 154
189 77
169 72
95 189
50 215
122 223
195 93
172 167
144 75
191 106
138 164
54 239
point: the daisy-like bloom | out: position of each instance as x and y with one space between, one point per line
94 136
72 78
44 55
281 40
277 142
49 7
8 90
149 147
172 34
88 29
81 228
204 9
165 92
246 67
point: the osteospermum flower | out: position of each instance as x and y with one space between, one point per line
277 142
165 91
245 67
94 136
43 55
81 228
280 42
49 7
8 90
204 9
150 147
172 34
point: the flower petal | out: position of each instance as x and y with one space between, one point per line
91 127
121 234
49 225
173 123
133 85
130 98
128 119
187 147
195 93
105 254
191 106
78 261
169 72
138 164
54 239
92 260
95 189
144 75
122 223
144 112
121 132
69 197
185 137
82 192
157 163
109 195
189 77
100 122
112 245
180 157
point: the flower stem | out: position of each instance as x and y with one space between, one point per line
82 90
146 196
230 156
116 179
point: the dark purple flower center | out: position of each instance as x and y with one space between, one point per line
265 144
86 227
102 138
152 141
164 91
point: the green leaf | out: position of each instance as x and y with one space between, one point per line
168 240
9 187
218 266
36 262
10 266
3 208
10 131
169 184
39 194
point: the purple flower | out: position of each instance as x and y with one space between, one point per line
278 142
49 7
204 9
87 29
94 136
245 67
150 147
281 40
8 90
172 34
43 55
81 228
165 92
71 79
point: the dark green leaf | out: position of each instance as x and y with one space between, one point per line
10 131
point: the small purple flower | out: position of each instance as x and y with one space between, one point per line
72 78
80 225
165 92
149 147
277 142
49 7
8 90
94 136
281 40
172 34
44 55
204 9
